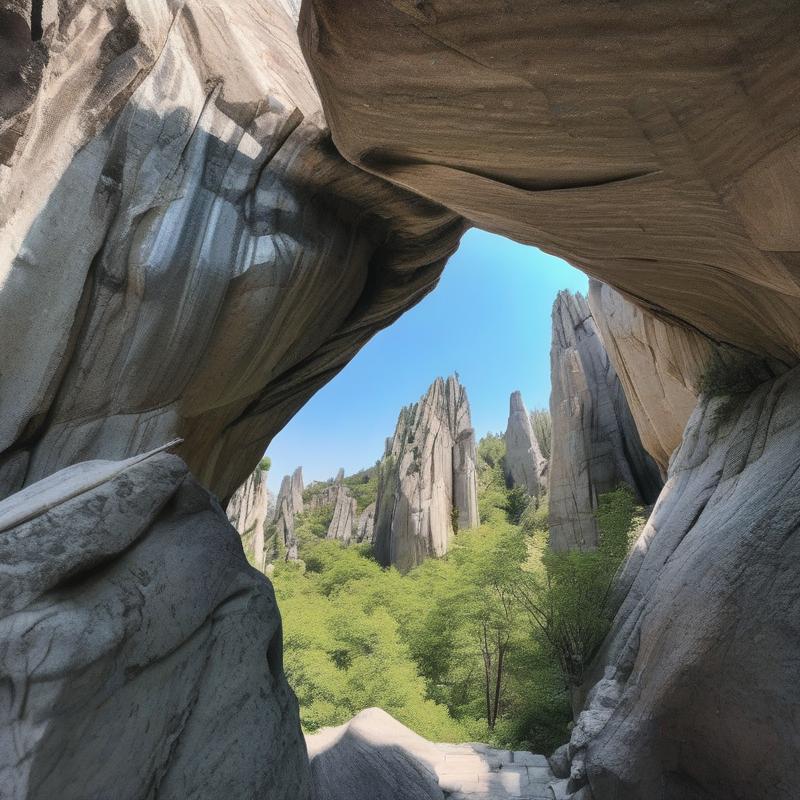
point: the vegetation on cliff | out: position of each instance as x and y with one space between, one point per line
484 644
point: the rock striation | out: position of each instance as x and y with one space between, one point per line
695 679
248 511
288 505
366 525
374 757
140 653
183 252
595 444
525 466
653 147
345 508
428 478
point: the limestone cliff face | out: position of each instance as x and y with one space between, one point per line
288 505
343 521
525 466
699 672
595 444
248 511
428 478
366 525
151 650
183 252
674 177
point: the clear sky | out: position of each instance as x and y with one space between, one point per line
488 320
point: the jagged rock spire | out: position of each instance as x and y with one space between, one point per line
525 465
428 483
595 442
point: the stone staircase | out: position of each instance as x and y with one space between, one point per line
374 757
478 772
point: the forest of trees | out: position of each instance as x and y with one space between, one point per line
486 644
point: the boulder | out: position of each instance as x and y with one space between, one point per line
595 444
140 654
696 681
525 466
428 478
248 511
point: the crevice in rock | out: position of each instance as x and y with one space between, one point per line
36 20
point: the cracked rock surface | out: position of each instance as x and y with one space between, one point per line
140 653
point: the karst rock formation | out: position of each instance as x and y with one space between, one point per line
365 529
595 445
344 517
428 481
525 466
193 241
288 505
248 511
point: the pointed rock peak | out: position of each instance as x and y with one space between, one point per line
516 404
339 476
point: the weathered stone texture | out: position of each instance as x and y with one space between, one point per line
344 514
655 146
595 442
182 249
428 478
366 525
698 678
288 505
139 652
248 511
524 464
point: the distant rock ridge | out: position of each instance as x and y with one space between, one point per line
428 483
344 512
249 510
525 466
595 443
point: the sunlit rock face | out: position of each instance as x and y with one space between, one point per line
248 510
699 675
345 507
659 365
182 250
140 654
653 146
366 525
288 505
428 478
595 444
525 466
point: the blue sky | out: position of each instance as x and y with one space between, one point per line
488 319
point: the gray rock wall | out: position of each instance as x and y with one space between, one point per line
595 444
183 252
288 505
248 511
140 654
428 478
697 682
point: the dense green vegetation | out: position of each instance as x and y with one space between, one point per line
542 430
484 644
